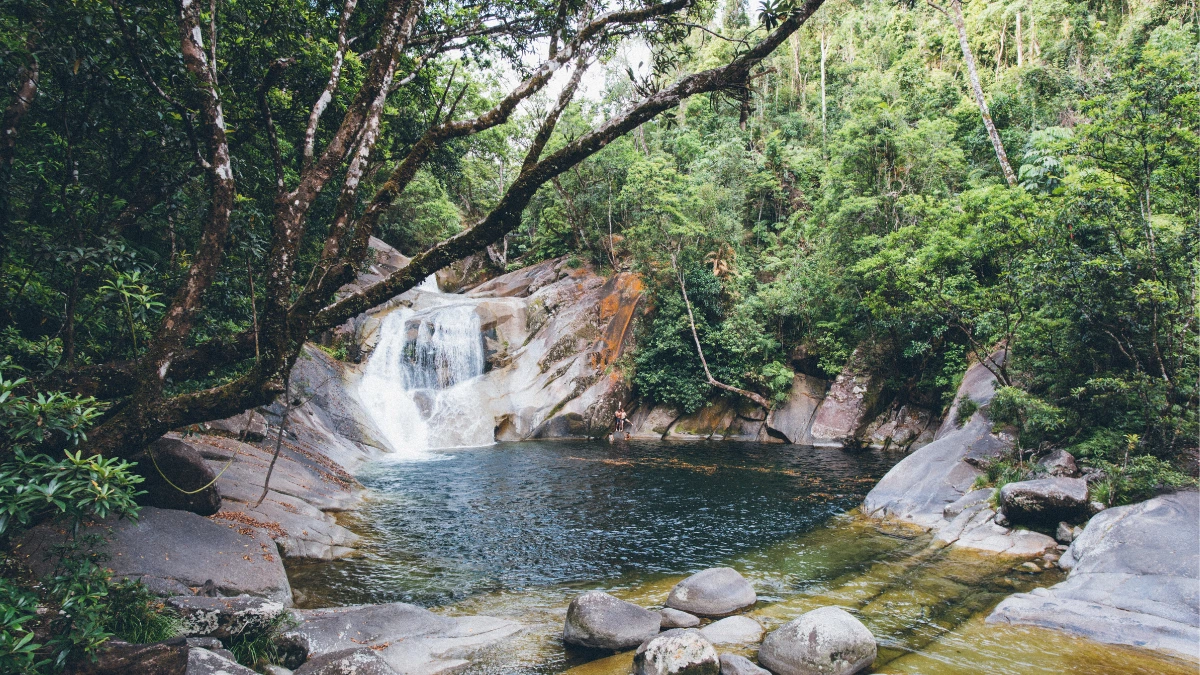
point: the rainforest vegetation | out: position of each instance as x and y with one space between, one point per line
184 189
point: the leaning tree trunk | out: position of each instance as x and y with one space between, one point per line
956 16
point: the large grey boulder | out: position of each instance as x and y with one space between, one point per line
673 618
1134 580
597 620
825 641
733 630
172 468
715 592
732 664
205 662
225 617
412 640
180 550
919 487
680 651
1045 501
359 661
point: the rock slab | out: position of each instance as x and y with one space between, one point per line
715 592
597 620
204 662
825 641
680 651
222 618
1134 580
360 661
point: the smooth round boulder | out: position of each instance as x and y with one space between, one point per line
733 630
713 593
680 651
1046 501
673 618
825 641
597 620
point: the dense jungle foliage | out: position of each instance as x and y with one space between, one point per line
853 201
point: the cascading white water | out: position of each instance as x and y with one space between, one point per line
418 383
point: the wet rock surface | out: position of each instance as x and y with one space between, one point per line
680 651
825 641
715 592
1134 579
597 620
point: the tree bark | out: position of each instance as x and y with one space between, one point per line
956 15
755 398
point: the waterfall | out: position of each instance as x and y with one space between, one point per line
419 383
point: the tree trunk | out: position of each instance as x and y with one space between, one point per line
824 51
956 16
755 398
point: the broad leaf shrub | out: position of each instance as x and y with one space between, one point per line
44 477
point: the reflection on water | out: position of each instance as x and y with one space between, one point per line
516 530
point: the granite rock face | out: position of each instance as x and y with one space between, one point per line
732 664
715 592
1134 579
825 641
845 410
181 550
681 651
222 618
359 661
597 620
793 420
410 639
205 662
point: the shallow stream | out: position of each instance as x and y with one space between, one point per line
517 529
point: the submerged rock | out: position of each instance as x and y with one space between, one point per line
715 592
733 630
1134 580
680 651
1045 501
673 618
825 641
597 620
732 664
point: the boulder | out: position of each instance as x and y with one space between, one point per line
1066 533
1045 501
793 420
117 657
715 592
171 469
597 620
204 662
224 617
1059 463
1134 580
358 661
901 426
679 651
851 400
825 641
732 664
179 547
733 630
673 618
276 670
